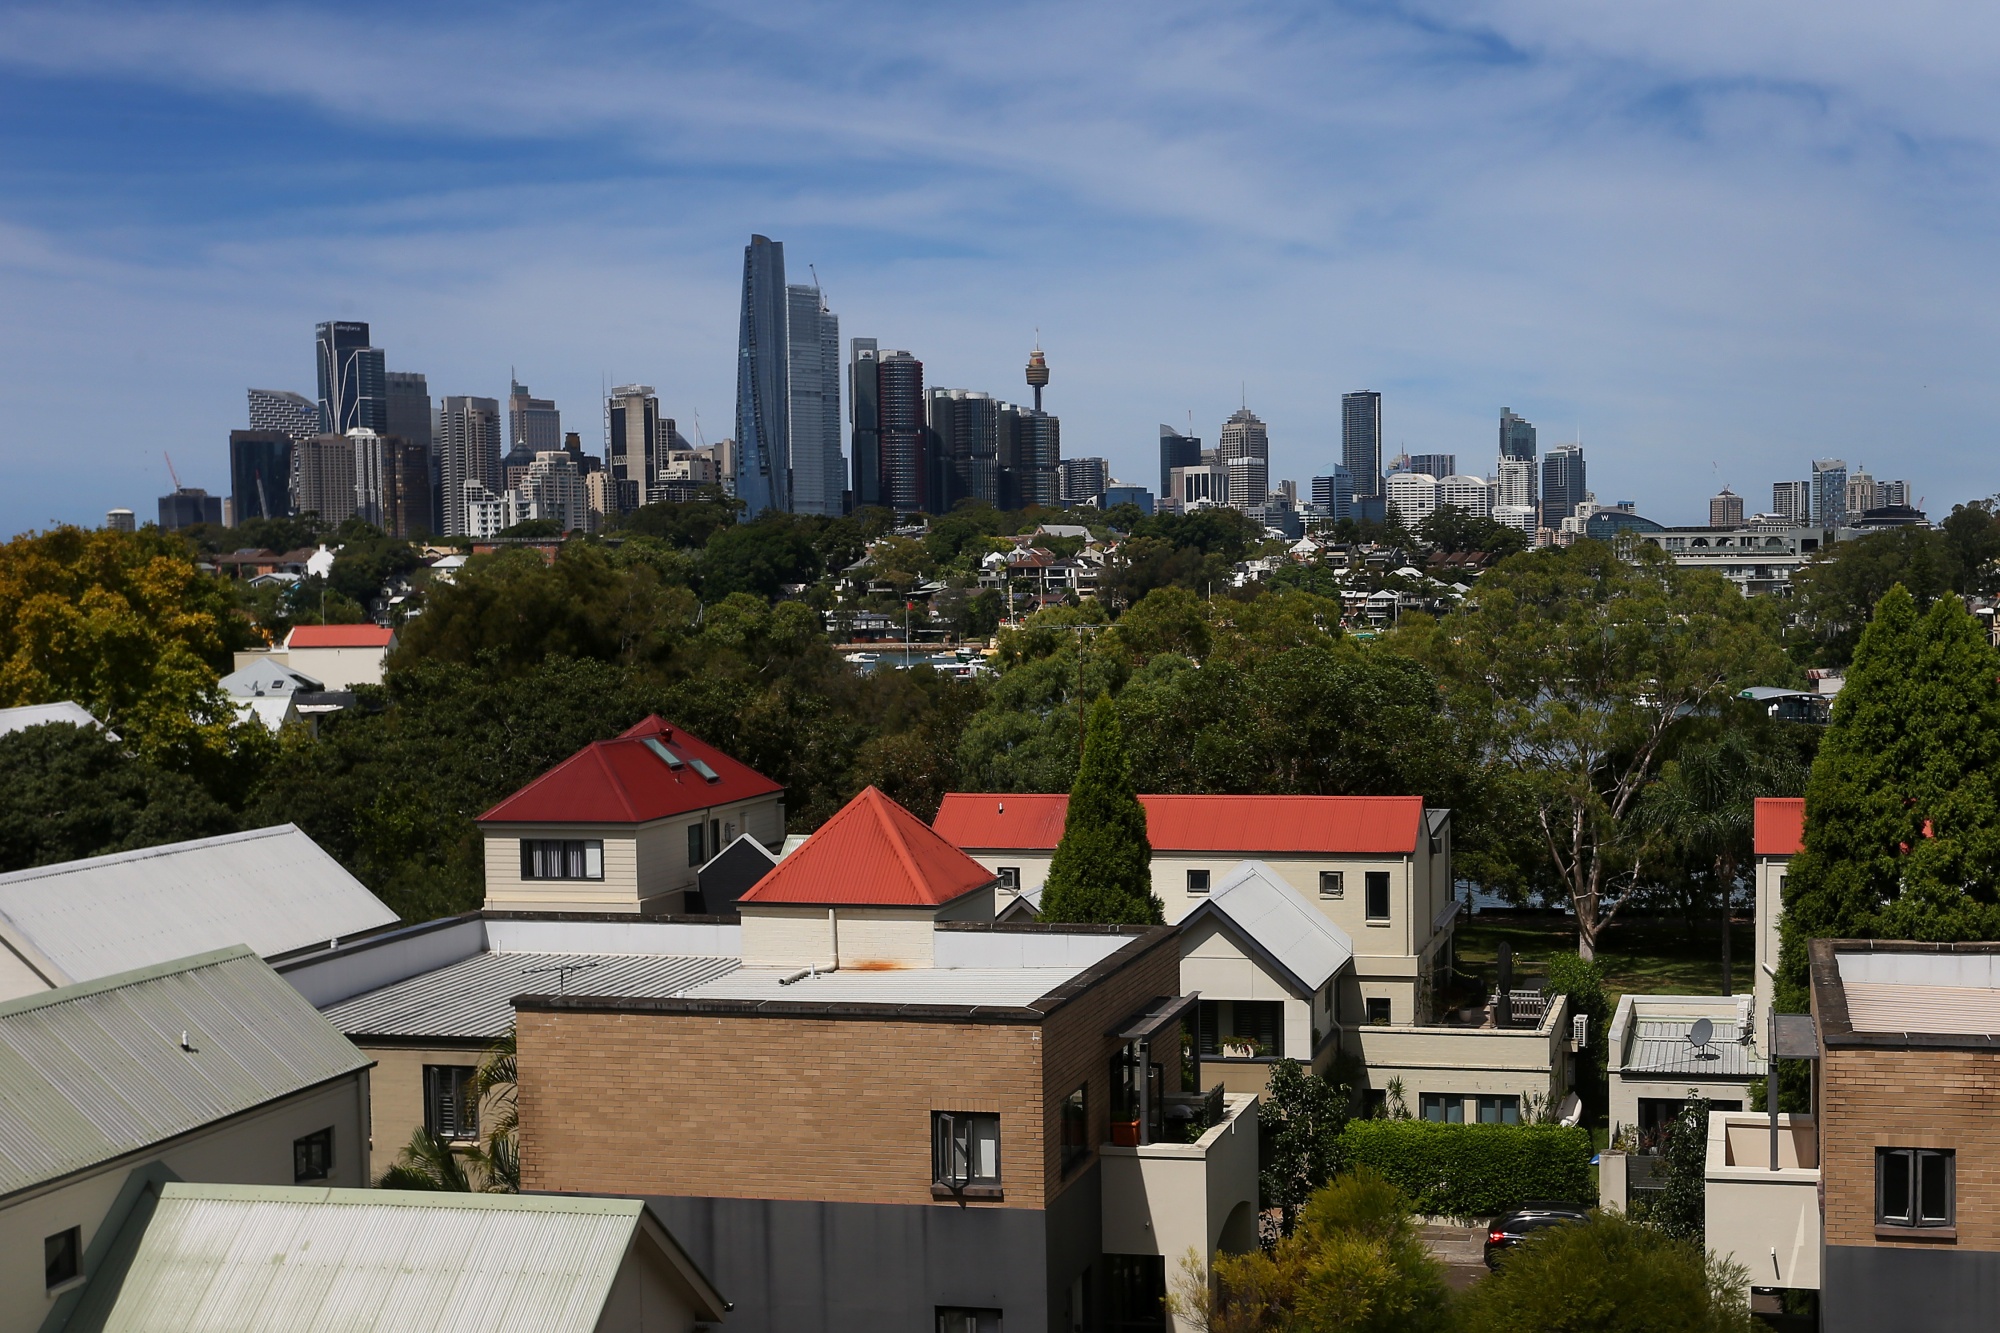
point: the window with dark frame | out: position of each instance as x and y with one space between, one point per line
1075 1128
562 858
695 844
966 1319
1378 1009
312 1156
1378 895
965 1150
1197 881
1444 1108
1915 1187
1010 878
62 1255
1332 883
1242 1029
450 1109
1501 1110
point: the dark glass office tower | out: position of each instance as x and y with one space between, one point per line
1361 440
1562 483
260 473
763 391
864 417
353 386
1517 441
411 419
905 467
965 447
1176 450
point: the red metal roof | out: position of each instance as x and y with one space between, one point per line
1780 827
625 781
339 636
874 853
1238 825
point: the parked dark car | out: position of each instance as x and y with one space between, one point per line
1509 1231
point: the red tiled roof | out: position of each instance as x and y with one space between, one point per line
1780 826
874 853
1351 825
625 781
339 636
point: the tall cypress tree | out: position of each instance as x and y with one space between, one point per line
1102 870
1902 833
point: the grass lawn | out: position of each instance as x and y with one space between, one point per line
1645 955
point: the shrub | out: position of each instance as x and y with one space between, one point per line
1473 1170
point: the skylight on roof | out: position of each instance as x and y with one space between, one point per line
707 774
671 759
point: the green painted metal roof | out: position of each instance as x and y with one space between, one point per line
91 1072
260 1259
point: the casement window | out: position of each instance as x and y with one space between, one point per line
312 1156
1075 1128
450 1109
1502 1110
62 1257
966 1319
1010 878
1197 881
1445 1108
965 1151
1915 1187
562 858
1378 895
697 843
1378 1009
1332 883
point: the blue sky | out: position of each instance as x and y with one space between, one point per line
1718 239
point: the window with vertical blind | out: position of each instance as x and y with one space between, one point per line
450 1109
1243 1028
562 858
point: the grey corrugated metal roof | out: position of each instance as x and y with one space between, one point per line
472 998
1011 986
1950 1010
272 889
1296 934
1661 1047
94 1071
38 715
256 1259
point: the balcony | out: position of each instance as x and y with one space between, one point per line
1166 1199
1767 1220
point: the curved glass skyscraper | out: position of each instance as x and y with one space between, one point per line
763 390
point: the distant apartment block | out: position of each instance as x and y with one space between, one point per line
188 506
1793 500
1361 440
1725 510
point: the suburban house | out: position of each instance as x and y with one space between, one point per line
624 825
42 715
273 889
269 691
270 1259
209 1068
1778 833
339 656
1660 1052
937 1120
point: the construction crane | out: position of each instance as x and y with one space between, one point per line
170 469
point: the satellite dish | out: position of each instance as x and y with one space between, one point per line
1701 1033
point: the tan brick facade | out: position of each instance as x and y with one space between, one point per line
628 1098
1927 1097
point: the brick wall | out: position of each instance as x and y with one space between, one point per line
1928 1098
788 1107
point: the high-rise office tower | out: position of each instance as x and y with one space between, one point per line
1411 497
964 447
1793 499
326 480
1334 495
1030 458
819 471
468 449
763 394
1083 479
1862 493
1244 437
1470 494
281 410
353 385
1725 510
1514 483
1436 465
903 459
864 418
557 491
407 508
412 419
260 473
1829 492
532 422
1517 441
187 506
1361 440
1176 450
636 440
1563 486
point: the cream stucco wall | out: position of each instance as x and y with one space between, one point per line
1768 1221
1770 907
337 668
1470 1062
254 1148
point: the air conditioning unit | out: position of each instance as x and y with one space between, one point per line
1579 1031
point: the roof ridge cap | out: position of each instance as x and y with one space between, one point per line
597 752
887 820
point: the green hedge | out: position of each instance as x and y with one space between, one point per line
1474 1170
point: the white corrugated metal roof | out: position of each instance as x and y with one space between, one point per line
1011 986
1258 901
264 1259
1662 1047
37 715
1951 1010
272 889
473 998
93 1071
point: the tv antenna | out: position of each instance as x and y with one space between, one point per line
562 970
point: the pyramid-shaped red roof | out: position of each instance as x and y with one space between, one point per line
872 853
652 771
